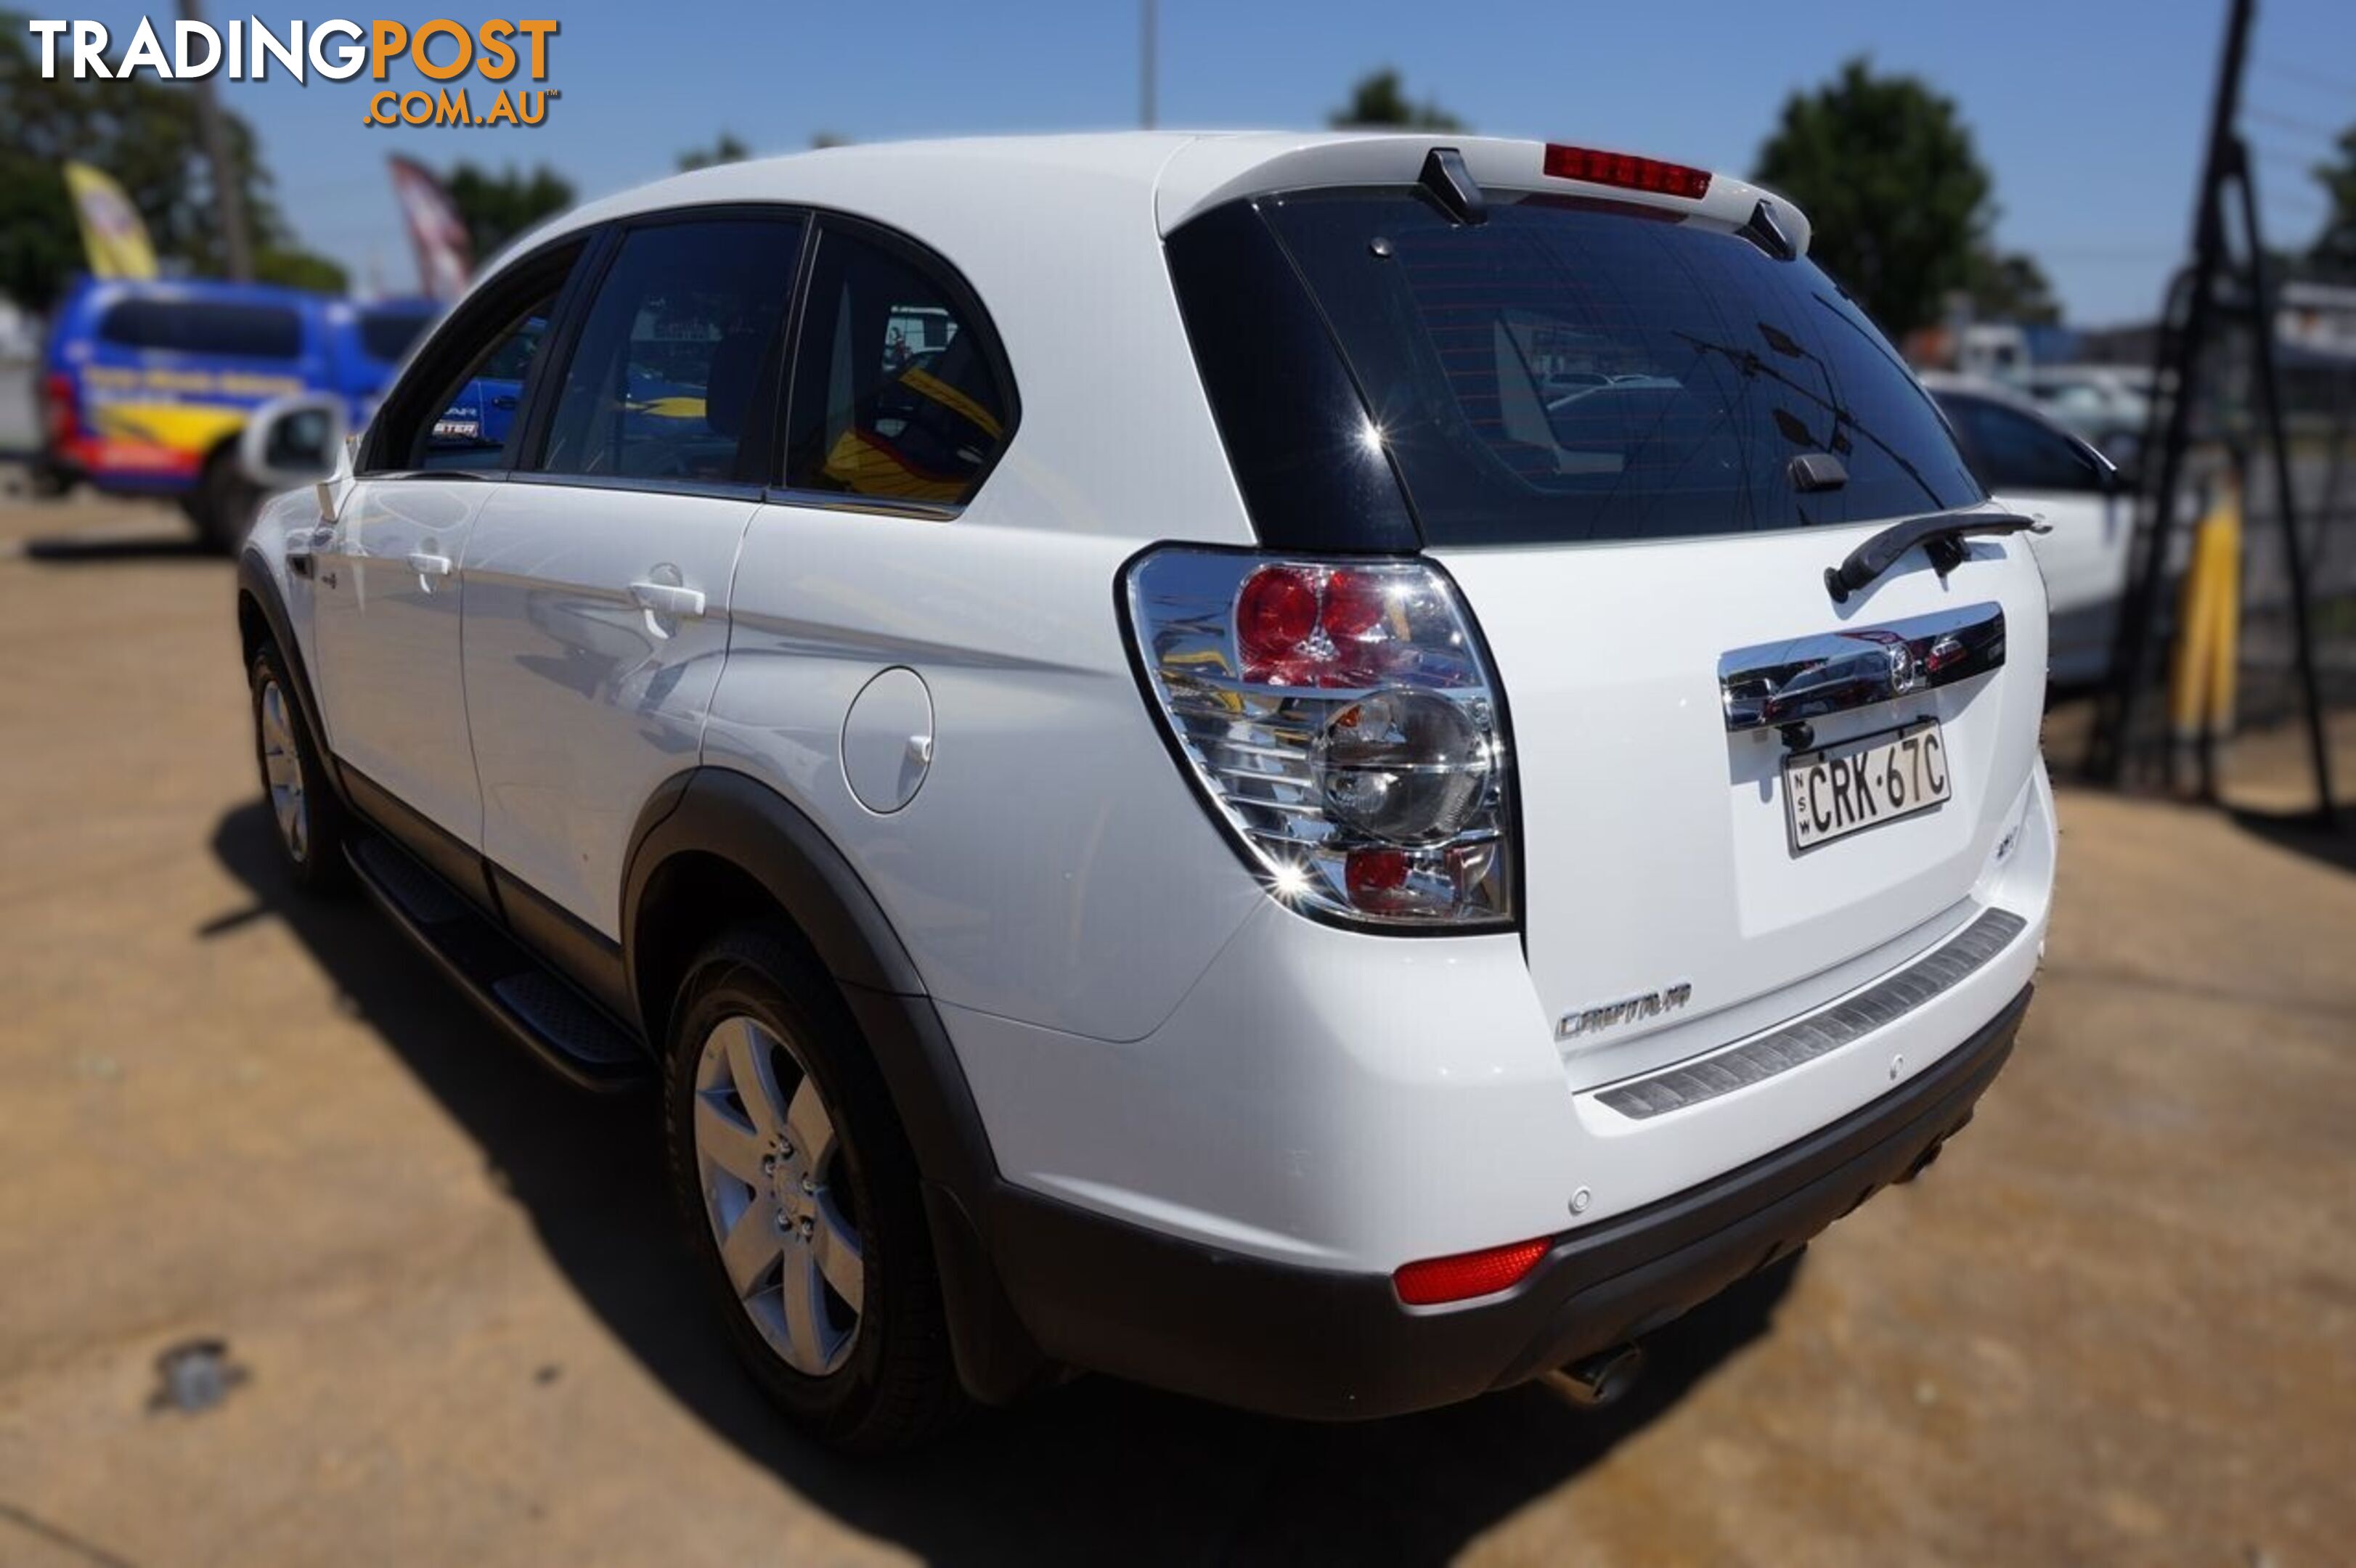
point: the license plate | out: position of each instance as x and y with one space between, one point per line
1835 791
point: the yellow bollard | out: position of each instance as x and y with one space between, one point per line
2201 672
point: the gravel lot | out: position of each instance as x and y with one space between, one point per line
2117 1322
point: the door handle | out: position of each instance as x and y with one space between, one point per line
667 598
426 565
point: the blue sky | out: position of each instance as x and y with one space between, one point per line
2089 112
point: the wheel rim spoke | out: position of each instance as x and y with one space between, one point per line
754 1077
836 1249
727 1140
751 1248
811 1341
809 1127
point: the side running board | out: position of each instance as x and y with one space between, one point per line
553 1019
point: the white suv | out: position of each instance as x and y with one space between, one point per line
1329 772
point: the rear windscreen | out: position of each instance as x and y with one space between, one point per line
197 326
386 335
1571 371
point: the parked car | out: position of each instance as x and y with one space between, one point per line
2109 405
146 386
1184 830
2039 468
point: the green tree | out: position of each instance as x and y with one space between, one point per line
1380 100
726 150
1901 205
2333 254
496 207
2012 288
144 134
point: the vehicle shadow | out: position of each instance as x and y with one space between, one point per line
1093 1470
2303 833
67 551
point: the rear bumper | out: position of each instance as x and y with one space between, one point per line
1108 1296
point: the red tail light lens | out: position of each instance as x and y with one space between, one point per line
1340 722
1626 171
1275 614
1436 1280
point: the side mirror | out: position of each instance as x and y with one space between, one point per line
292 440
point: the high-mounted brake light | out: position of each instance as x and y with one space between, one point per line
1435 1280
1626 171
1339 720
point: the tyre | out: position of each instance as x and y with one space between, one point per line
303 805
798 1197
224 502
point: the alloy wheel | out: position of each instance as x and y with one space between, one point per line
776 1195
282 769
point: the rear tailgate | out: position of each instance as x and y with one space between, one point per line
1637 433
1658 854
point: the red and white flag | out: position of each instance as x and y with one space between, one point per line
445 257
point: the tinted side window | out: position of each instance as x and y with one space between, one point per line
671 351
475 425
2014 452
195 326
898 391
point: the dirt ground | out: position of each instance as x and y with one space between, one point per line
2117 1323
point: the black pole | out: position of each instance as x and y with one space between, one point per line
2262 331
2180 361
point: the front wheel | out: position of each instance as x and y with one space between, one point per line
798 1195
303 805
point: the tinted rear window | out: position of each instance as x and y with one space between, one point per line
1572 371
386 335
200 326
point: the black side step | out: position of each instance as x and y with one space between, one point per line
575 1037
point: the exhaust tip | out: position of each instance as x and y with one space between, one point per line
1604 1377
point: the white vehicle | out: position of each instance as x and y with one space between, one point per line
2109 405
2038 468
1185 827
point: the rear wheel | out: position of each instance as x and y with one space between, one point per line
798 1196
304 809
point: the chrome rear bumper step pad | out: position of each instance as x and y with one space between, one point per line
1804 1039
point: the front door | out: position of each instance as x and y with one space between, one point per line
392 579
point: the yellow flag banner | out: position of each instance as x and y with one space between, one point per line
112 233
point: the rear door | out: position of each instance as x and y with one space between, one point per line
596 614
1595 412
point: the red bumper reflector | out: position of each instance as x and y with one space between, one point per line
1468 1275
1626 171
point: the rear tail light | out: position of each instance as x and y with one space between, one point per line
1465 1275
61 408
1340 721
1626 171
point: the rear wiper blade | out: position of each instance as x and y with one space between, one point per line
1941 535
